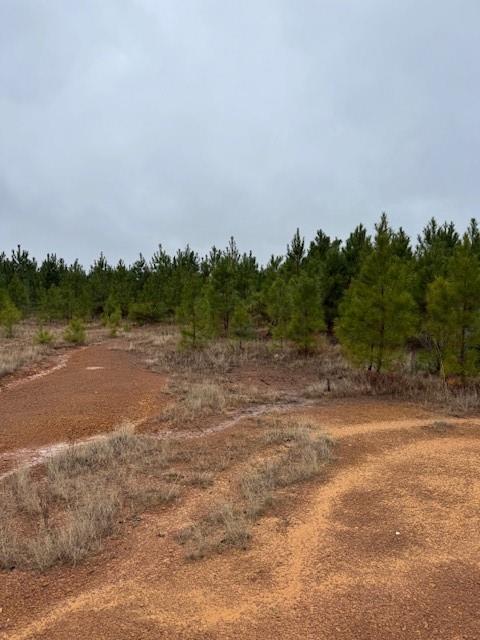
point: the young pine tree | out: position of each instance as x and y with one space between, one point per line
306 314
241 326
453 314
112 314
75 331
435 246
378 312
295 254
192 312
278 307
221 293
9 314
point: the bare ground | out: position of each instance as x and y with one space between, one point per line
385 544
75 395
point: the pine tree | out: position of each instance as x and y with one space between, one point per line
435 247
378 312
112 315
23 284
241 326
192 313
333 278
9 314
453 313
75 332
100 279
357 246
306 317
76 292
473 237
222 292
295 254
318 247
52 304
278 306
18 293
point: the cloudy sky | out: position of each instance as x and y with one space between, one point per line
129 123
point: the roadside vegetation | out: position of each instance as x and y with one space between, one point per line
62 512
392 304
301 454
32 343
371 316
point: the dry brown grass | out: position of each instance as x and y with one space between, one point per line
214 397
224 526
202 398
23 349
329 372
350 385
196 400
426 389
303 454
441 427
202 479
162 350
325 374
64 513
218 356
14 355
462 401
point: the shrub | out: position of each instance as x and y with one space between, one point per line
43 336
143 312
75 332
9 314
113 320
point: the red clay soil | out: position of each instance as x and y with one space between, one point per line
384 546
95 390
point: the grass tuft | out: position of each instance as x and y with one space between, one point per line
63 514
228 524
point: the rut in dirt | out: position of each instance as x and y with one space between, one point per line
338 570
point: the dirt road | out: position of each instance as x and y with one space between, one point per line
385 546
84 392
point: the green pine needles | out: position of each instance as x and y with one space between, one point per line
381 297
378 312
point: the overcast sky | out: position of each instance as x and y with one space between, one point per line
129 123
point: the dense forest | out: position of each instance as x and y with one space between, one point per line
381 296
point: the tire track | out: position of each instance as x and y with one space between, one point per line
295 580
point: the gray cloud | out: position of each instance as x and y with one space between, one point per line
126 124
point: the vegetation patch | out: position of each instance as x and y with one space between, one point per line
303 455
391 304
63 513
441 427
75 332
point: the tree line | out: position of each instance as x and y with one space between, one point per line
379 295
